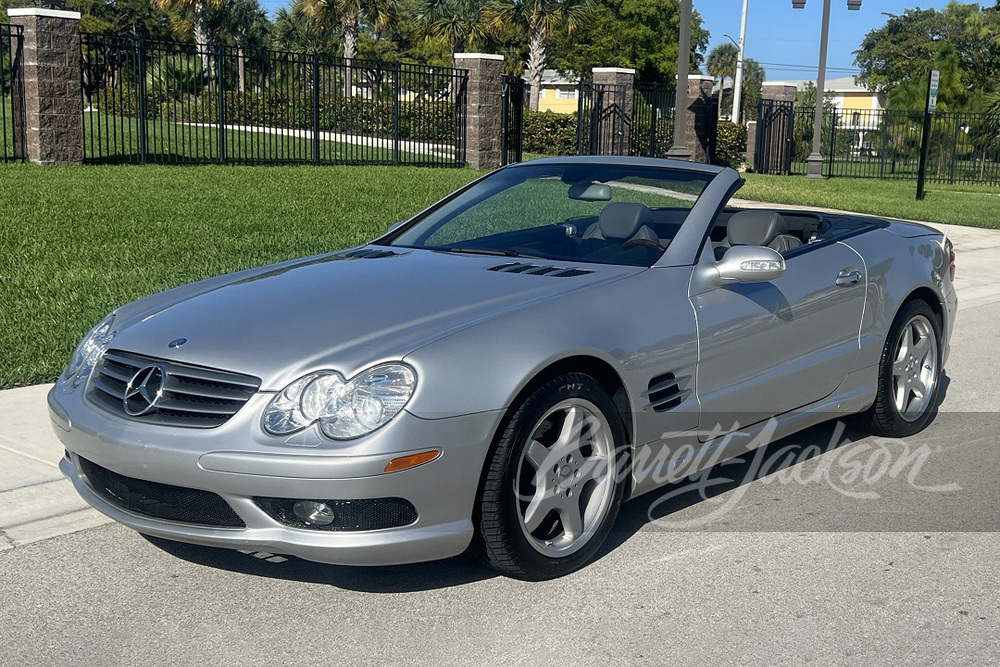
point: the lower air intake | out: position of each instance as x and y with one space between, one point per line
160 501
348 515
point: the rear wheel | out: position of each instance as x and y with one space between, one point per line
553 486
909 373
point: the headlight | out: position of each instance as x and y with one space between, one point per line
344 409
90 350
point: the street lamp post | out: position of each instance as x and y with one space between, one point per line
738 82
814 163
678 150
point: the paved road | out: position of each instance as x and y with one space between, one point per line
824 557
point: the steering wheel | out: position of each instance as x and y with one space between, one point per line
634 243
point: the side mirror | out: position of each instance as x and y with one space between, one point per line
396 225
750 264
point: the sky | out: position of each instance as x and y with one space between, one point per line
785 40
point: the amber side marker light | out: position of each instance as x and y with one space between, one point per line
411 461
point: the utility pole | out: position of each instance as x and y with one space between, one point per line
679 150
738 83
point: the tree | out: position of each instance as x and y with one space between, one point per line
294 31
642 34
753 82
199 20
907 46
245 24
461 22
722 63
349 14
540 18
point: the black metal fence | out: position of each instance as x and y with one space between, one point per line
652 126
883 144
514 98
12 125
178 103
603 119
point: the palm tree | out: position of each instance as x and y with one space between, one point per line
379 14
722 63
245 23
459 21
540 18
199 21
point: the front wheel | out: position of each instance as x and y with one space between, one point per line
909 373
554 483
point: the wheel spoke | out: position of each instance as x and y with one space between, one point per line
541 504
919 388
921 349
537 454
902 393
905 344
571 517
572 428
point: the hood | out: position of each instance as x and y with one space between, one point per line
346 310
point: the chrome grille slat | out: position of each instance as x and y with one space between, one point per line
192 396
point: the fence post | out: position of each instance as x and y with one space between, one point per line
221 97
395 115
315 109
954 148
482 118
141 101
53 89
833 143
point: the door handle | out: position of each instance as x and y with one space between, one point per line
847 277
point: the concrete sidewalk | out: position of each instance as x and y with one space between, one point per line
36 503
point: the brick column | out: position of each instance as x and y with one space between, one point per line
751 142
778 90
482 115
617 108
52 90
701 118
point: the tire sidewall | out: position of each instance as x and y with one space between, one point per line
898 426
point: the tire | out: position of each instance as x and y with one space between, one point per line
899 410
563 447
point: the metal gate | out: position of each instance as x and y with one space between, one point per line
12 135
652 120
604 119
773 147
512 120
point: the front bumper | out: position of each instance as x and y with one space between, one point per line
238 463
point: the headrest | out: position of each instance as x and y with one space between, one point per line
621 220
755 227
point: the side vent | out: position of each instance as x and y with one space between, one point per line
538 270
367 253
667 391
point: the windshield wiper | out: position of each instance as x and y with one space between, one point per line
509 252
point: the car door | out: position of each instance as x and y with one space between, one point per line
770 347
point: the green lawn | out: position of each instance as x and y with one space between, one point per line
78 242
970 205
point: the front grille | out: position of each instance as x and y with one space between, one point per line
160 501
192 396
349 515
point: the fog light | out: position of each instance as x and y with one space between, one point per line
313 512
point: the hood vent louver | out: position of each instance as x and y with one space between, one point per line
667 391
367 253
538 270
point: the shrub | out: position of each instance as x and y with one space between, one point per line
549 133
730 144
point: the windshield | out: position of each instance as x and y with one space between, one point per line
610 214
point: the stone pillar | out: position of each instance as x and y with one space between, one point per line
781 91
482 114
751 142
616 111
701 123
53 95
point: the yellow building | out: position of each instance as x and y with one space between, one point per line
559 94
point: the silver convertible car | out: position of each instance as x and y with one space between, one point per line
503 370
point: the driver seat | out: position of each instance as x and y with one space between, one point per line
622 222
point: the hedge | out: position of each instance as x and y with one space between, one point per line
419 121
730 144
549 133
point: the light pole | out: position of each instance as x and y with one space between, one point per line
679 149
738 83
814 163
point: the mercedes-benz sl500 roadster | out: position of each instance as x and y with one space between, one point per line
503 370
